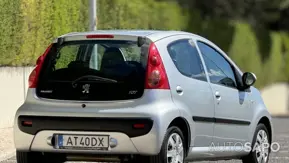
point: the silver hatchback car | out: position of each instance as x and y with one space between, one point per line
140 96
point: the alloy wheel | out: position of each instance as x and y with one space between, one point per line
262 149
175 149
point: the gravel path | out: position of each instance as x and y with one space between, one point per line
6 143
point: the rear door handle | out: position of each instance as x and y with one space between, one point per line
217 95
179 90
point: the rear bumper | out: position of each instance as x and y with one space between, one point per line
41 141
125 144
116 118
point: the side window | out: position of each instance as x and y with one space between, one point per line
186 58
219 69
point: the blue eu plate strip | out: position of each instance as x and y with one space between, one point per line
60 140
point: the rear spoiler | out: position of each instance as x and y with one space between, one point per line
140 41
60 41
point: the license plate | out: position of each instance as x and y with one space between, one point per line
96 142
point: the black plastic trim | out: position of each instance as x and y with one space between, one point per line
123 125
204 119
220 120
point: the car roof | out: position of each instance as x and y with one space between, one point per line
153 35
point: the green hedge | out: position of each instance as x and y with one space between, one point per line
10 31
28 26
119 14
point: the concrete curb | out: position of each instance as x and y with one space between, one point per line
8 155
280 116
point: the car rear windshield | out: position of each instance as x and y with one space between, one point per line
92 71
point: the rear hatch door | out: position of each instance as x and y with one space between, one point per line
93 70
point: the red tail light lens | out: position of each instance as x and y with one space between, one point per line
33 77
27 123
99 36
139 126
156 77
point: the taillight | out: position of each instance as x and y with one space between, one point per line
156 77
99 36
33 77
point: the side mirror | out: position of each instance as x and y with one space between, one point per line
249 79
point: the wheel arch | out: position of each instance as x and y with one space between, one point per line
184 126
265 120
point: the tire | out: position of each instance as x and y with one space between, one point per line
255 155
35 157
171 133
28 157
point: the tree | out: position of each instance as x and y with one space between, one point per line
285 40
244 50
119 14
274 65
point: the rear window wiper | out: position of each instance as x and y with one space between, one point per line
93 78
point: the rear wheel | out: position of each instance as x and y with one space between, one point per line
173 149
260 147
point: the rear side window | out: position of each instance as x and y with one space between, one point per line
93 70
186 58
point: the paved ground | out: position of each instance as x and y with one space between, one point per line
281 136
6 143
